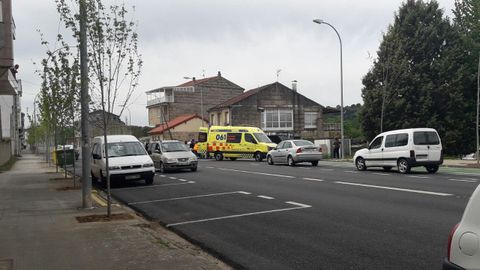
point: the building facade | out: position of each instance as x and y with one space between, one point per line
275 108
11 129
115 126
193 97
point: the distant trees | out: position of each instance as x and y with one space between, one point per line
418 77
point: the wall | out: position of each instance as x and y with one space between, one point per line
5 152
6 103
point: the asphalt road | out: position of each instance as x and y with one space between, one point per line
257 216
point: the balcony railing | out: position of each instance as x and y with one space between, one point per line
331 126
160 100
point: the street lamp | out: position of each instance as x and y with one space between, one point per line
341 84
201 95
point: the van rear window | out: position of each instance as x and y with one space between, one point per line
202 137
425 138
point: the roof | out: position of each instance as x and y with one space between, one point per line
193 83
173 123
243 96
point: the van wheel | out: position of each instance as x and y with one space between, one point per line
194 169
258 156
432 168
290 161
403 166
218 156
315 163
387 169
360 164
149 180
269 160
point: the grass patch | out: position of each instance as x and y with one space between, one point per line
7 166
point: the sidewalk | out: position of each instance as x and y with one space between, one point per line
39 230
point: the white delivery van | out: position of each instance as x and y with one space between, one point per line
404 149
128 160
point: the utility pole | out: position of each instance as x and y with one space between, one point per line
477 151
84 100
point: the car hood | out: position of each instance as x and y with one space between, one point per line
183 154
361 152
129 160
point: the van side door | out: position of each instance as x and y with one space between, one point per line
375 153
396 146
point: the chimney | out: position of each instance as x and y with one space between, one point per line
294 86
219 74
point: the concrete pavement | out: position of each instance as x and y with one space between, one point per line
39 230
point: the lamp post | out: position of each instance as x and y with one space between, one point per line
129 114
341 84
201 95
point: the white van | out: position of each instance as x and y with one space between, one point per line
128 159
404 149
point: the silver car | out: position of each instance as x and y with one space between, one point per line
295 151
172 155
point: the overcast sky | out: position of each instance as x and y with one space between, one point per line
247 40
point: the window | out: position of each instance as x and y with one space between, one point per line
219 120
123 149
401 140
275 119
202 137
212 119
261 137
390 140
287 145
302 143
234 137
425 138
227 120
376 143
311 120
280 145
249 138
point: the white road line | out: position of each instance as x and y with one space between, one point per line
463 180
186 197
182 180
161 175
396 189
236 216
385 174
244 192
299 204
304 168
208 167
265 197
260 173
154 186
350 171
173 178
313 179
420 177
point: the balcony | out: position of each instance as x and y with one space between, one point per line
159 100
331 127
160 96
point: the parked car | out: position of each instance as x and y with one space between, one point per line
463 242
292 152
128 159
172 155
404 149
69 147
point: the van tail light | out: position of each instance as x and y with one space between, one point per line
412 153
299 150
450 238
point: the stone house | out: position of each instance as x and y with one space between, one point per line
275 108
192 97
182 128
115 126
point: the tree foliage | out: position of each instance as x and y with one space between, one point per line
415 78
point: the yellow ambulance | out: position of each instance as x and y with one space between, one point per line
233 142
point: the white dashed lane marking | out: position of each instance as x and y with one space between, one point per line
419 177
265 197
188 197
384 174
313 179
463 180
396 189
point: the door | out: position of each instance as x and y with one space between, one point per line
249 143
396 145
375 153
427 146
276 153
94 161
285 151
156 154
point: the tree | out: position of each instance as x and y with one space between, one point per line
408 78
114 61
